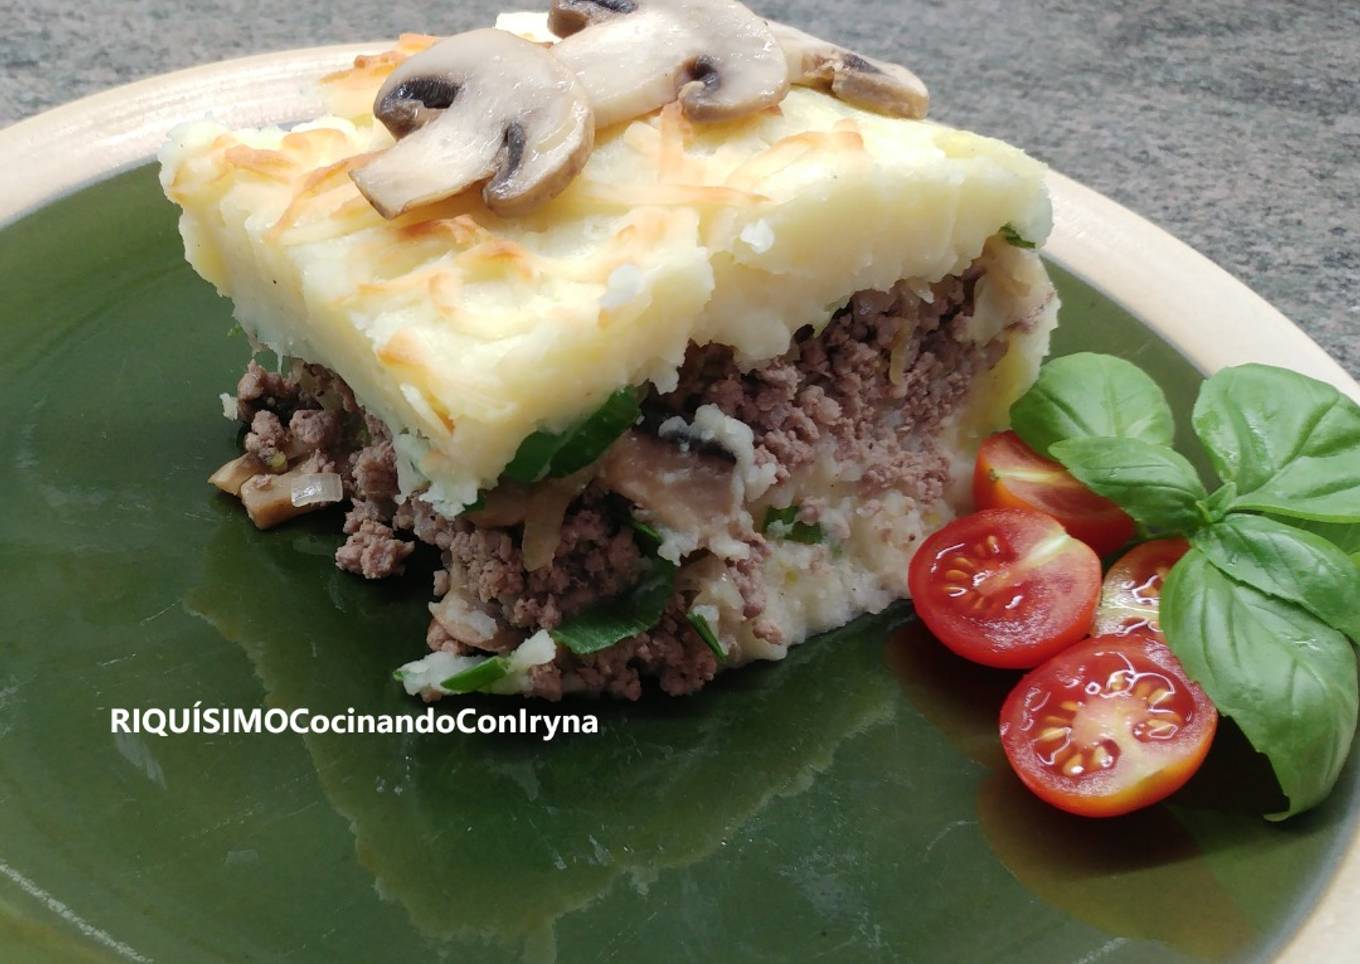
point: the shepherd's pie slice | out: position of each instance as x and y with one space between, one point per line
698 406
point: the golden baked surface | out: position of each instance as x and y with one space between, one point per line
467 332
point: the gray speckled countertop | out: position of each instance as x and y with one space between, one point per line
1234 125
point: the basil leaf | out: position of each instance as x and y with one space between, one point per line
1013 237
1285 677
1287 563
614 620
1220 500
1345 536
1090 395
1152 483
547 455
1290 443
477 677
706 633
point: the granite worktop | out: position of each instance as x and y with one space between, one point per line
1234 125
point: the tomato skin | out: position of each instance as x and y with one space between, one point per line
1010 474
1005 587
1133 587
1139 731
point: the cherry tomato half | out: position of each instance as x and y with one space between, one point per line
1133 588
1005 587
1109 726
1010 474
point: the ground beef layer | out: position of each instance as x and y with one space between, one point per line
875 385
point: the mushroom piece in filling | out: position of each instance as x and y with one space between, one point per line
481 107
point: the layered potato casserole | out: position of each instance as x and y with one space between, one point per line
672 349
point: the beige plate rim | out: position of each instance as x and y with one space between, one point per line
1210 316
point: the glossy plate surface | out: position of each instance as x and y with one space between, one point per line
851 803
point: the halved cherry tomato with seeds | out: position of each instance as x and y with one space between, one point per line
1010 474
1005 587
1107 727
1133 588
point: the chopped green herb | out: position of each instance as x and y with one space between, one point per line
785 525
533 457
1013 237
548 455
648 533
478 677
706 633
399 675
809 534
786 516
614 620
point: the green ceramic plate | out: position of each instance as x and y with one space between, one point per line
849 804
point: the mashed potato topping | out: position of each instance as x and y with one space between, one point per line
466 332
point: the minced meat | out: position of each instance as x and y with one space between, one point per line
882 376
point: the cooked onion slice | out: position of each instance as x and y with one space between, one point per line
544 513
316 488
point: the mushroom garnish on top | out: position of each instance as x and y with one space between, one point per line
856 79
633 56
519 118
483 107
809 61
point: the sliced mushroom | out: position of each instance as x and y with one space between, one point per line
687 491
567 17
231 476
269 499
873 84
484 106
469 620
633 56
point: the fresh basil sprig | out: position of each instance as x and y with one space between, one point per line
1259 610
